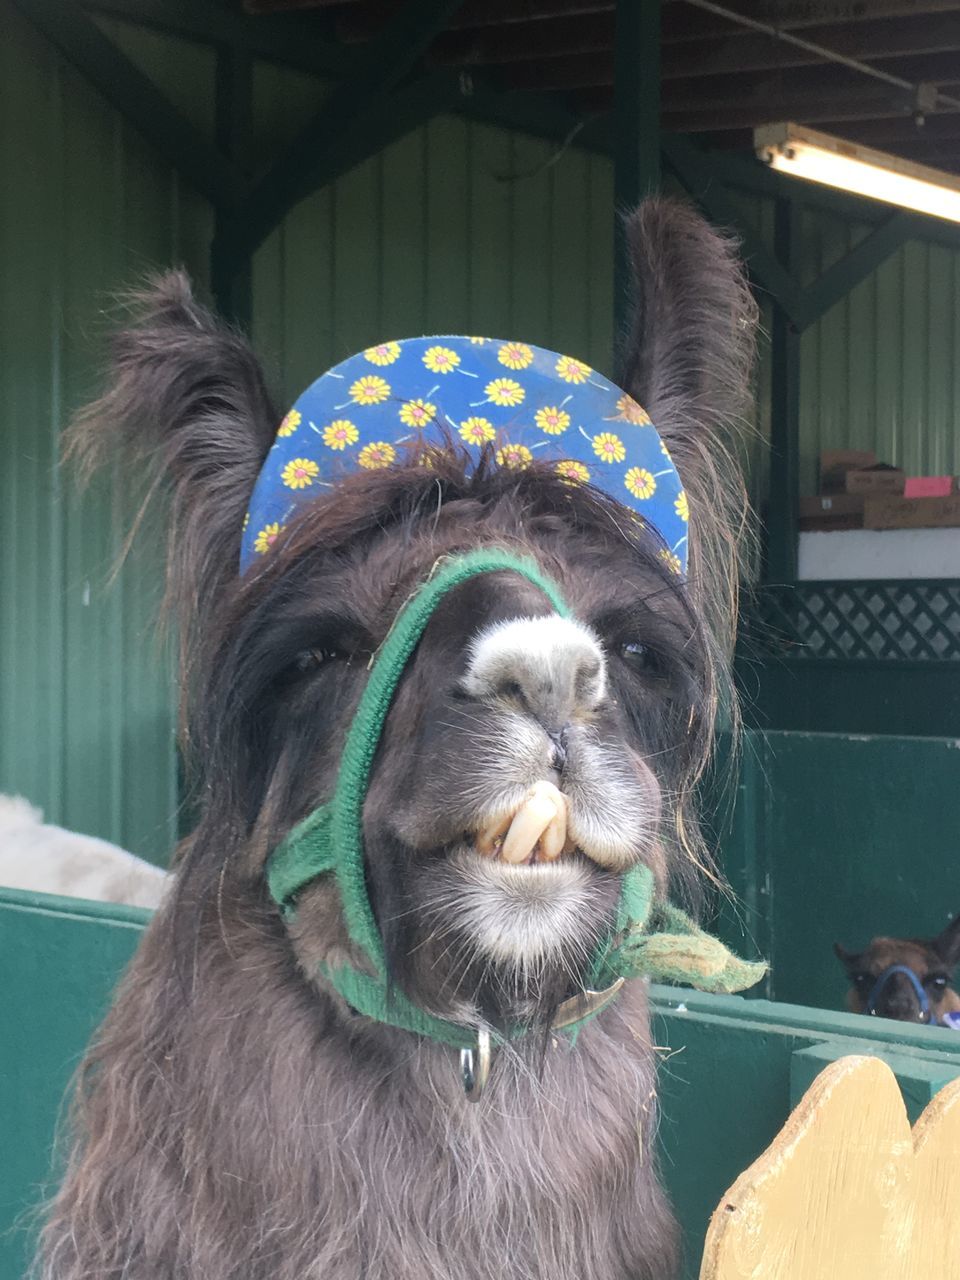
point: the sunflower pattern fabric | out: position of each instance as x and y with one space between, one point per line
529 404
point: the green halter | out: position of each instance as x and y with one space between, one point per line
648 937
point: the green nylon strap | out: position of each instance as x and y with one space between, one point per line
650 939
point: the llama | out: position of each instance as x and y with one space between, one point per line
377 1029
910 979
45 859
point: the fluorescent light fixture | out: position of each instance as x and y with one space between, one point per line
819 157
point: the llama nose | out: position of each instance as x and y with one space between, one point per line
552 667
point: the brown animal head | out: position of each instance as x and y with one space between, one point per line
931 961
228 1051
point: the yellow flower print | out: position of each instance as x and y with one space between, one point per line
383 353
515 355
670 560
477 430
640 482
478 342
378 454
575 472
290 423
340 433
246 521
682 506
665 451
299 473
552 420
505 391
370 389
267 537
628 409
514 455
417 413
571 370
608 447
440 359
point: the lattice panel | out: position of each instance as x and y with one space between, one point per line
894 621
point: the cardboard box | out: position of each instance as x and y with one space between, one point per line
829 512
929 486
835 463
873 480
912 513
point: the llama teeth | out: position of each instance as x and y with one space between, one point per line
554 839
544 806
487 842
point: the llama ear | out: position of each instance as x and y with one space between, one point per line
947 943
688 361
848 958
187 409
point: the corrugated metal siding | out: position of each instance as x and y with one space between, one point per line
881 370
86 729
458 228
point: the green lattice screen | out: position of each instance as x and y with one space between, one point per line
899 620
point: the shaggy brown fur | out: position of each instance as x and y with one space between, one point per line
933 960
235 1120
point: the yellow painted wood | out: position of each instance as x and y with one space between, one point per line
846 1189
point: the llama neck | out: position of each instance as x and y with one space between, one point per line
349 1151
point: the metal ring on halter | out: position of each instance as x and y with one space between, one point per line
475 1066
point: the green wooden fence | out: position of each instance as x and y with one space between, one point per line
730 1071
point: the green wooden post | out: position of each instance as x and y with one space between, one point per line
782 511
637 133
231 276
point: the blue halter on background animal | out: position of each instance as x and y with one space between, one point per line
880 985
529 404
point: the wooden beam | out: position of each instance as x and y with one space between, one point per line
854 267
135 97
233 291
783 500
304 41
337 136
636 171
749 51
697 175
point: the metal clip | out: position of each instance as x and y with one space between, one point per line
475 1066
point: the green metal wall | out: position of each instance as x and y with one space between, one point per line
881 370
839 838
458 228
85 710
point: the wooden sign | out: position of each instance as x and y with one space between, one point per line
846 1189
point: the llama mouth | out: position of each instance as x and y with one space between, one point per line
536 831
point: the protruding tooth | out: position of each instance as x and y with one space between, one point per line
487 840
536 813
554 838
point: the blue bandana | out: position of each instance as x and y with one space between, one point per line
532 405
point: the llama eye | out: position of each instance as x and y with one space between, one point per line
313 659
638 656
862 979
938 980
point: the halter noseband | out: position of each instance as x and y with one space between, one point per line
878 988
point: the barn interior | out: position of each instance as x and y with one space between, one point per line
334 173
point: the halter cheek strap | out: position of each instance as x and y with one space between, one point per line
648 937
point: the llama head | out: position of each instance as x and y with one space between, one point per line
910 979
530 756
